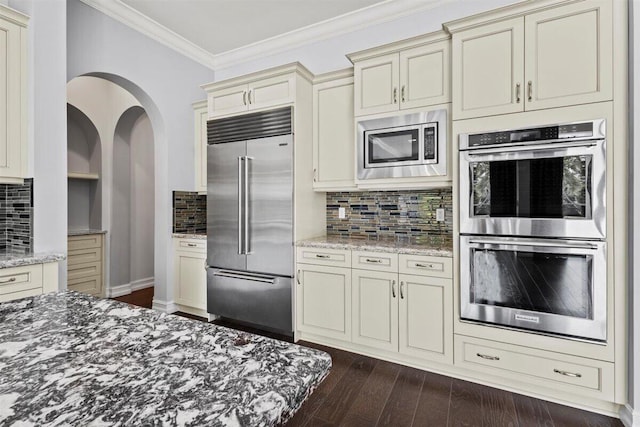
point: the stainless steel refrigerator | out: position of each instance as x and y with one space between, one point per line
250 261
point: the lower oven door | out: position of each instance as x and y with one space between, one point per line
546 285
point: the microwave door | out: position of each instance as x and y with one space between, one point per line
393 147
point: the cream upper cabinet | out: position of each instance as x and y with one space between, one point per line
333 132
552 58
375 309
487 69
412 73
13 95
200 147
255 91
323 300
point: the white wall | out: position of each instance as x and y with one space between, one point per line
166 83
48 123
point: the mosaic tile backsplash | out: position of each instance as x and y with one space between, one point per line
16 218
395 215
189 212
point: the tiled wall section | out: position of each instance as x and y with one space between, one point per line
16 217
399 215
189 212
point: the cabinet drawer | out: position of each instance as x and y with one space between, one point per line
84 270
21 279
85 242
426 265
90 285
82 256
378 261
321 256
191 245
533 366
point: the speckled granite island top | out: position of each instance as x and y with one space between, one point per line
9 260
393 246
72 359
190 236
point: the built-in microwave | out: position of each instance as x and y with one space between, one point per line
407 145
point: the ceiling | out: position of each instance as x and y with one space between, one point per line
219 26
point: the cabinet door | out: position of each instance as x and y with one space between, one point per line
569 55
426 322
376 85
11 101
200 149
323 301
228 101
424 75
333 135
271 92
488 70
375 309
191 280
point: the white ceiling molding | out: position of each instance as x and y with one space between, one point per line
132 18
385 11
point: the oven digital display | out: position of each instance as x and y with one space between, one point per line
567 131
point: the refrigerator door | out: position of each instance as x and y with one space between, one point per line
252 298
225 172
269 237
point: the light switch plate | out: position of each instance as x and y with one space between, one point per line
342 214
440 214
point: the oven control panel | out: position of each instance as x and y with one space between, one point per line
541 134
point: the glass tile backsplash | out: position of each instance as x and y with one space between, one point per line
392 215
16 218
189 212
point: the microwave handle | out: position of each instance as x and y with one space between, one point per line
537 147
520 242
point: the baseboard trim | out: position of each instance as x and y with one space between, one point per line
629 417
127 288
164 306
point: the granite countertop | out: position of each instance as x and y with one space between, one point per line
190 236
73 359
85 232
8 260
397 246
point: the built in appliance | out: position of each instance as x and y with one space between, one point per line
250 219
407 145
533 228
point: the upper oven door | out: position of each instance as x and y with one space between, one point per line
393 147
546 190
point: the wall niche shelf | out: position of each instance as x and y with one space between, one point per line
83 175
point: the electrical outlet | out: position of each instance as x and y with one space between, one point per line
342 213
440 214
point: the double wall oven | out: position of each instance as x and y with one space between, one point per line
533 229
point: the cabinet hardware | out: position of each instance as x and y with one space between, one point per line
418 264
378 261
191 245
298 277
13 279
244 97
395 95
401 290
393 288
205 265
518 93
322 256
402 93
567 374
530 90
250 91
488 357
315 173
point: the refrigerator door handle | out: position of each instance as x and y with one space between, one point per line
252 277
240 190
247 237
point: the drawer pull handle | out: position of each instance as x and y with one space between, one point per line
322 256
191 245
567 374
377 261
487 357
298 277
13 279
425 265
401 290
393 288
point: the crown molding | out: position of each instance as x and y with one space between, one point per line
13 15
130 17
379 13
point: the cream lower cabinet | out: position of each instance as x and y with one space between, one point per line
28 281
85 264
190 276
375 309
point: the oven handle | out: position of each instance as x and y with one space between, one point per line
537 147
575 245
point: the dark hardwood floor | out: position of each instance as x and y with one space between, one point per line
361 391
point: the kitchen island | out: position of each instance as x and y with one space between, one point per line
73 359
